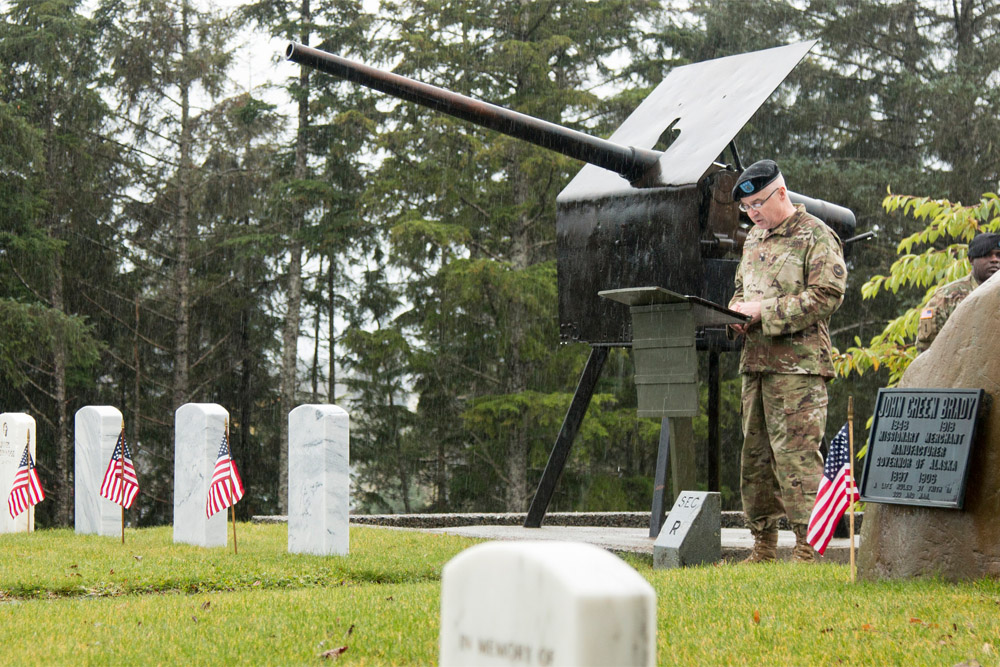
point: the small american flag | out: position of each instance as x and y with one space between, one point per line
836 493
120 484
27 489
226 488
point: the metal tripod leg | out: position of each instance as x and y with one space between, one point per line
713 420
676 453
656 514
571 424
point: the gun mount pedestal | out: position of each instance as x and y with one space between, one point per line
664 346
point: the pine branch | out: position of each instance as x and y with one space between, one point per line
128 327
26 285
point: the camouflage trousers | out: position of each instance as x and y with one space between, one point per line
784 418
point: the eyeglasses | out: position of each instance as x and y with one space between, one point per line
746 208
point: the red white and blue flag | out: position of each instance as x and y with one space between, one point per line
27 489
836 493
120 484
226 488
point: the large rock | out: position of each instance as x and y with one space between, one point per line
900 541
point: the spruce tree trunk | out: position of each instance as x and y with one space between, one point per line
60 356
401 462
182 332
441 478
136 382
289 357
314 369
516 496
64 459
182 230
293 283
331 393
245 396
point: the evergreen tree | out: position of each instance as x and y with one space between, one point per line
470 217
58 179
315 205
233 321
378 358
942 258
163 52
168 62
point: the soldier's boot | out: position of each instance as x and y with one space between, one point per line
765 547
803 551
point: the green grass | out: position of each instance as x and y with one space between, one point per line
379 623
67 599
64 564
787 614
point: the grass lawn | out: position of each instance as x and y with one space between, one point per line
68 599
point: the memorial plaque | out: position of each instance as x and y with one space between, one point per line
918 450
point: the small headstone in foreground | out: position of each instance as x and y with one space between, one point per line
692 533
198 431
318 480
545 603
15 430
95 431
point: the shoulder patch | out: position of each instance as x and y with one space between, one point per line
927 313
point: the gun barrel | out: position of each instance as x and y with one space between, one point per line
841 219
631 163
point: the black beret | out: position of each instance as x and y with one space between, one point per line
983 244
755 178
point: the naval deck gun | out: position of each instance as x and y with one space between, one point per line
635 216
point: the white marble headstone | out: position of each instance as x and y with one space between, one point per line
545 603
198 431
318 480
15 430
95 430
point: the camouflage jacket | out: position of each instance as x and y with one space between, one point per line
939 309
797 272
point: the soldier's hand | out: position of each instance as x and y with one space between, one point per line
749 308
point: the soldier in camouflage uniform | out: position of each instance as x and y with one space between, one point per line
984 254
790 280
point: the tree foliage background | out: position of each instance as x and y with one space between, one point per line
169 235
930 257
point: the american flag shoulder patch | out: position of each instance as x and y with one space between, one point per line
927 313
